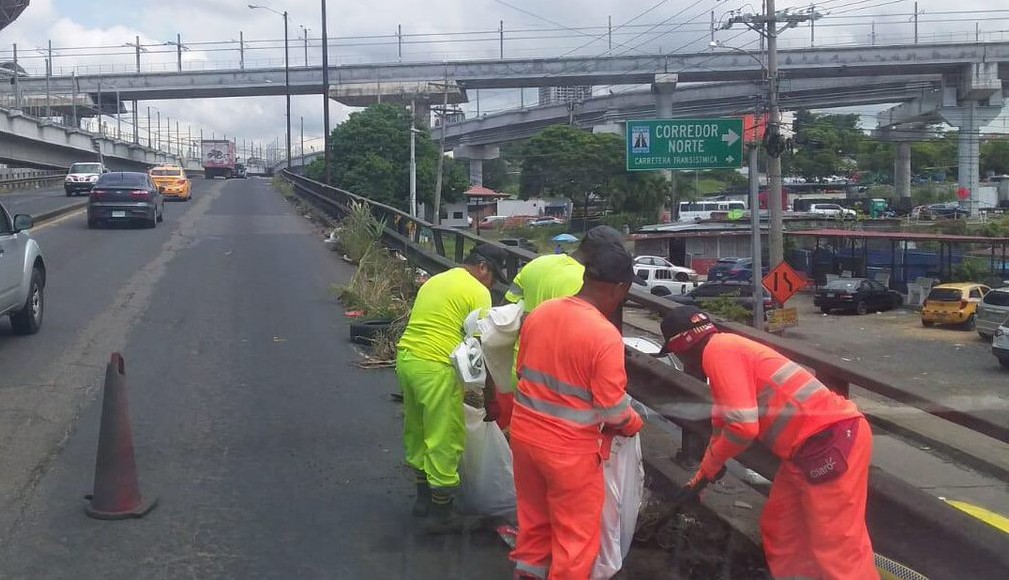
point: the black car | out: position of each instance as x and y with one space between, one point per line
950 210
743 293
722 267
125 197
859 295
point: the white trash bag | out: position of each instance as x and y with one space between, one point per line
624 477
488 484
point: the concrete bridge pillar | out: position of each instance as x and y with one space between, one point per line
979 102
902 170
476 155
663 88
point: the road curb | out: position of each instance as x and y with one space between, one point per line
53 214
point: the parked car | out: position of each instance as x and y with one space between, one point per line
682 273
832 210
22 274
546 221
1000 343
859 295
125 196
743 293
81 177
742 271
492 221
994 308
953 304
664 281
173 182
721 268
523 243
948 210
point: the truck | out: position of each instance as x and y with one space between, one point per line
218 159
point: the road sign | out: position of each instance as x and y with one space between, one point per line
782 318
684 144
783 282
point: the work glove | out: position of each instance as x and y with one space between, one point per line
492 410
694 487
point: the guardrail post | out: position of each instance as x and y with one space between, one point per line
836 384
691 449
513 266
439 243
460 249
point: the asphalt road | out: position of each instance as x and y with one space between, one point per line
37 201
272 455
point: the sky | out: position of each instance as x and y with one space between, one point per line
89 33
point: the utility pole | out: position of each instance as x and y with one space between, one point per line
767 26
413 158
305 30
17 89
325 97
241 50
916 23
302 144
150 143
440 178
179 47
501 37
755 241
49 73
399 46
609 34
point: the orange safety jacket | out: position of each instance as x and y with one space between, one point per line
572 380
759 394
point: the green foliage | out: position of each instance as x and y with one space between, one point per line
995 157
997 228
825 145
631 220
932 193
971 270
728 308
564 161
371 157
359 232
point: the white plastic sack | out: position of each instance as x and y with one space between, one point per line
498 332
488 485
467 358
624 476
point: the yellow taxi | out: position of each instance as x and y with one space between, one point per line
174 182
953 304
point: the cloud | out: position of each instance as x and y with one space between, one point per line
433 30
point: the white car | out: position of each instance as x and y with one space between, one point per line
681 273
1000 344
832 210
664 281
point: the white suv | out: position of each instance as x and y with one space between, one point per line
82 176
22 274
832 210
663 281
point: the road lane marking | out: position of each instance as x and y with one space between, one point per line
59 220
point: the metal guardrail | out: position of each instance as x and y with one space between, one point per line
20 182
906 523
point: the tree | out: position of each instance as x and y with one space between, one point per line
824 145
371 157
995 157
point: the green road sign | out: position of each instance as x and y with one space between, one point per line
684 144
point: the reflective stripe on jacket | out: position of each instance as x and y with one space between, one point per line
572 378
760 394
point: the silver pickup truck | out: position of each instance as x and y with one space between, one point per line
22 274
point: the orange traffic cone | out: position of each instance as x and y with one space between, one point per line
117 490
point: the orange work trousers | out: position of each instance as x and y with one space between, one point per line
818 531
560 503
506 404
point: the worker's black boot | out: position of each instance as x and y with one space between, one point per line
422 505
442 519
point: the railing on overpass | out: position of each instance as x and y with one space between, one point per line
30 178
907 524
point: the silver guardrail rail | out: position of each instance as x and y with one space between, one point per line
906 523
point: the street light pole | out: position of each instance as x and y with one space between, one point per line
755 241
413 169
302 145
776 234
119 117
305 29
325 97
287 74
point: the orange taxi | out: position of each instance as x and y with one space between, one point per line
173 182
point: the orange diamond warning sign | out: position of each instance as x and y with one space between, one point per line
783 282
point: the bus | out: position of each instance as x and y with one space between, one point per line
701 210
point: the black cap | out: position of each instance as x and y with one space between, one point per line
685 326
493 256
597 238
610 263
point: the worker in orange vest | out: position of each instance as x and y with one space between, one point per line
813 525
542 279
571 400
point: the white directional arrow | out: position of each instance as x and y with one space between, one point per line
730 158
730 137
